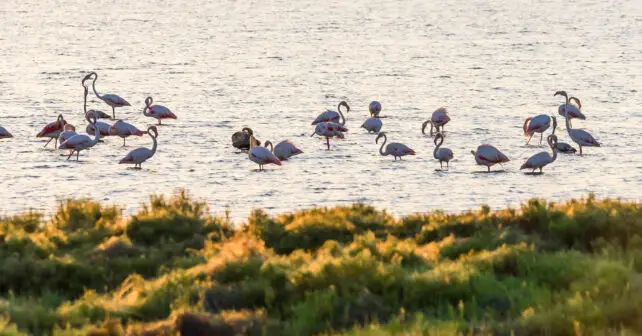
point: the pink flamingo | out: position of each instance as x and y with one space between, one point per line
124 129
438 120
394 148
329 130
80 142
52 130
374 108
284 149
333 116
142 154
4 134
488 155
157 111
574 111
442 154
110 99
579 136
538 124
103 127
541 159
261 155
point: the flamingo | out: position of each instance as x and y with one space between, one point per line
52 130
442 154
4 134
538 124
68 132
241 139
574 111
109 98
579 136
394 148
125 129
142 154
374 108
438 120
159 112
488 155
284 149
541 159
261 155
562 147
333 116
103 127
80 142
329 130
373 124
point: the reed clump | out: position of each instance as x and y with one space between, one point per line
173 269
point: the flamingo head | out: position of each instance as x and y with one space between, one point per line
473 152
439 136
381 135
577 100
154 130
552 139
86 78
561 93
149 101
424 125
344 104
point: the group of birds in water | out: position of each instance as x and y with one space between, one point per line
329 124
64 133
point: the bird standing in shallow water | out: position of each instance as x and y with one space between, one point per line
159 112
394 148
373 124
261 155
284 149
538 124
488 155
574 111
52 130
541 159
579 136
438 120
333 116
109 99
80 142
142 154
329 130
442 154
241 139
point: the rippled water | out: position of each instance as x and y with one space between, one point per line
275 65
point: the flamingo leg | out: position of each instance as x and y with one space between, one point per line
77 154
447 165
540 170
70 154
580 149
328 142
529 139
48 141
113 111
541 137
159 121
488 168
123 142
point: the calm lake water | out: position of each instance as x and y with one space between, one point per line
275 65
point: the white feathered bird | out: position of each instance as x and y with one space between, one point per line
333 116
395 149
541 159
142 154
440 153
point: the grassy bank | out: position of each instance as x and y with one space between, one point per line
170 269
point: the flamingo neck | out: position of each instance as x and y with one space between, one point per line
343 118
525 127
434 152
93 86
423 127
155 143
553 144
270 144
385 139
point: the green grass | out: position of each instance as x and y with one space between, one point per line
172 268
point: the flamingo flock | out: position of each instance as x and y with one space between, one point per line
65 136
329 124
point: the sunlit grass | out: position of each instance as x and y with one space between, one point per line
173 268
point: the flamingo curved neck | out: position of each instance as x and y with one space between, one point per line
155 143
553 144
423 126
434 152
525 127
93 85
385 139
270 144
343 118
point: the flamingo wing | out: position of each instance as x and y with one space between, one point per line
538 160
115 100
4 133
76 141
51 129
327 116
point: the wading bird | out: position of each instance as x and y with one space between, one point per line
442 154
142 154
488 155
438 120
581 137
333 116
159 112
329 130
374 108
574 111
241 139
109 99
394 148
52 130
80 142
124 130
261 155
541 159
562 147
284 149
538 124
